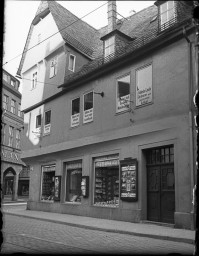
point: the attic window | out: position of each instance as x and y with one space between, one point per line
71 65
167 13
109 46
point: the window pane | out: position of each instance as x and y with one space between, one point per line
47 117
38 121
88 101
124 86
48 185
71 62
75 106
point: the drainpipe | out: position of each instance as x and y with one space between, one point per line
191 124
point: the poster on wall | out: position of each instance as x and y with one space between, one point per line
144 86
129 180
57 188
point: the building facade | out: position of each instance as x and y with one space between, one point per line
14 179
117 140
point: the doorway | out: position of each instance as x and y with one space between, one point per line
160 185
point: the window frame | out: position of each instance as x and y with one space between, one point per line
19 110
53 167
18 138
128 96
34 80
107 48
167 13
90 112
53 67
13 107
5 103
75 116
36 121
69 62
47 126
11 136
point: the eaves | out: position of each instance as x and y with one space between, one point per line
12 90
161 41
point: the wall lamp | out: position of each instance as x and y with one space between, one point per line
100 93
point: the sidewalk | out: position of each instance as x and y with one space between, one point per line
136 229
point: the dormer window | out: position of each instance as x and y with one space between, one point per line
167 14
109 46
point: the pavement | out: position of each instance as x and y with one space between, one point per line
136 229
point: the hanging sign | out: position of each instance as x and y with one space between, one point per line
129 180
57 188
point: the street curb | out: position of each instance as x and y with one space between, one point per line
160 237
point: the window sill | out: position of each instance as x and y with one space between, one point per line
144 105
106 206
122 112
47 201
73 203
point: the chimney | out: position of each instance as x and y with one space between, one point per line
112 15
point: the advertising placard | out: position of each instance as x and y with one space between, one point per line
75 120
57 188
129 180
88 116
123 103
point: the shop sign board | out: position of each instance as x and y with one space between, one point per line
88 116
75 120
57 188
123 103
129 180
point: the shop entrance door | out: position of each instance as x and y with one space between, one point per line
161 192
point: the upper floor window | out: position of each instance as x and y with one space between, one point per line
5 102
53 67
5 77
47 122
19 109
167 13
38 121
3 134
12 82
71 65
13 106
11 135
88 107
123 93
75 115
144 85
18 139
34 80
109 46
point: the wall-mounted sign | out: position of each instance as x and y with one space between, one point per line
57 188
85 186
123 103
129 180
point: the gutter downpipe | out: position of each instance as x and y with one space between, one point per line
191 125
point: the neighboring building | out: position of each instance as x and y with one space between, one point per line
115 137
14 179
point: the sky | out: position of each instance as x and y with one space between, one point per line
18 15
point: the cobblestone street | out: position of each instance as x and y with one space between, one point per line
26 235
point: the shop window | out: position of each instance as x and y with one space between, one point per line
123 94
106 181
18 139
71 65
109 46
34 80
5 102
47 122
167 14
48 179
13 106
73 181
144 86
88 108
11 135
75 115
53 67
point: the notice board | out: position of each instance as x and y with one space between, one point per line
129 180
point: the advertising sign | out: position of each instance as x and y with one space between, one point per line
144 86
57 188
123 103
129 180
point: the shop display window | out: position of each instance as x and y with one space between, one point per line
73 182
107 183
48 179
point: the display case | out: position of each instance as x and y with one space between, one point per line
129 180
85 186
